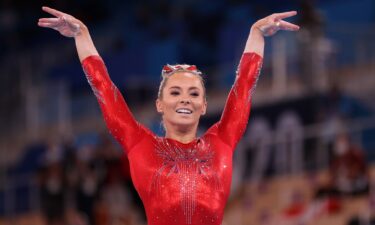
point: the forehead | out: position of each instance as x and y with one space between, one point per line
184 79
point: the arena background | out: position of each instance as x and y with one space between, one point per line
58 164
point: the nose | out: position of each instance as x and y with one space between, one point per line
185 101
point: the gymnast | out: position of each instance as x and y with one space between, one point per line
181 178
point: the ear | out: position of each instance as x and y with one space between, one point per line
204 108
158 105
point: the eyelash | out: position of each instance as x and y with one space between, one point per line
175 93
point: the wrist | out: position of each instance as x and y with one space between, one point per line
256 29
255 41
83 30
83 27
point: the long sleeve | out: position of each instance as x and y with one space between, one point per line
119 120
236 113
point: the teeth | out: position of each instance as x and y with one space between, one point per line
185 111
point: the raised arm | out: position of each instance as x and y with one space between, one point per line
234 119
69 26
117 115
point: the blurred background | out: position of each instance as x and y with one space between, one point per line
308 153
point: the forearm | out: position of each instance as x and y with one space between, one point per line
84 44
255 41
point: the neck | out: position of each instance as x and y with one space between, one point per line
183 135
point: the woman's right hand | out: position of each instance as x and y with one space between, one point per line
64 23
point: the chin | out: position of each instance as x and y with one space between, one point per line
185 121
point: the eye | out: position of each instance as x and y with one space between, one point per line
174 93
195 94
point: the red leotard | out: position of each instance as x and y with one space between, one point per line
179 183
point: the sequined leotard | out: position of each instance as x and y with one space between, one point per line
179 183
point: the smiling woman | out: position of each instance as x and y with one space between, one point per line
181 103
181 178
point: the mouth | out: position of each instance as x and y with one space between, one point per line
184 111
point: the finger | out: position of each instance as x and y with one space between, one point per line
49 25
280 16
49 20
52 11
53 22
288 26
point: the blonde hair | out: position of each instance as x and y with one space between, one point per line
172 69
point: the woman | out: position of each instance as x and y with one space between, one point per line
181 178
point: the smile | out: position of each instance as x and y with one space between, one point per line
184 111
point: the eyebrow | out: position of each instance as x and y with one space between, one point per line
190 88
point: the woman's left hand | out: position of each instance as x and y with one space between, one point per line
269 25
